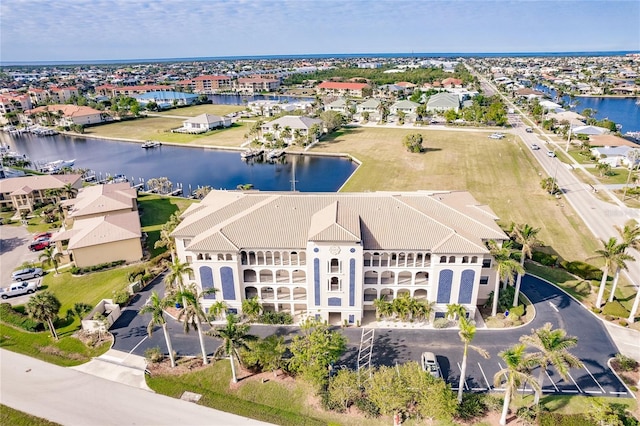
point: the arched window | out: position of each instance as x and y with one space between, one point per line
474 259
199 256
335 266
465 259
207 256
443 259
335 284
452 259
220 256
228 257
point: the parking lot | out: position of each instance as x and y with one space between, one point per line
14 251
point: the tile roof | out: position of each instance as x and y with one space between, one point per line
450 221
37 183
335 85
67 110
104 229
101 199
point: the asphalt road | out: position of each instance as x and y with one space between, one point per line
594 348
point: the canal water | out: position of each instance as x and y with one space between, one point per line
186 166
623 111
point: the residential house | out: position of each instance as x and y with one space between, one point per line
334 88
13 102
443 101
370 106
27 192
203 123
407 107
617 156
61 95
64 115
339 105
105 226
329 256
297 125
208 84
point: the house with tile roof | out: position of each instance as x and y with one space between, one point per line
207 84
253 85
26 192
102 226
443 101
64 115
297 124
203 123
330 255
405 106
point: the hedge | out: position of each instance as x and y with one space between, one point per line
79 271
545 258
17 319
584 270
557 419
615 309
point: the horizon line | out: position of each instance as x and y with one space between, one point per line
318 56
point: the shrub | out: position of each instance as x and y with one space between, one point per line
615 309
367 407
121 297
154 354
473 405
516 311
11 316
440 323
625 363
623 322
527 415
596 310
545 258
275 318
79 271
583 270
493 402
557 419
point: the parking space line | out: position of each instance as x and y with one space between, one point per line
590 391
594 379
484 376
464 379
552 382
617 393
135 347
574 382
570 391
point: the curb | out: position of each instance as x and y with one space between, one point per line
633 395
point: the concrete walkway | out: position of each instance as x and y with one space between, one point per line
118 366
70 397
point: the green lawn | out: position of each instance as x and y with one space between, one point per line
195 110
9 416
499 173
156 210
287 404
619 176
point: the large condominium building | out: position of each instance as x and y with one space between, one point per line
330 256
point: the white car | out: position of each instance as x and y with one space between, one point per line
430 364
496 136
551 153
535 147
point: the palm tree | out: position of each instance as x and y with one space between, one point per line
467 333
234 335
193 315
251 308
553 346
155 306
50 257
505 268
217 309
631 238
383 307
44 307
175 278
516 372
456 311
69 190
613 254
527 237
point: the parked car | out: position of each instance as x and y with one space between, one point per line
42 235
18 289
39 244
535 147
551 153
430 364
496 136
529 130
27 274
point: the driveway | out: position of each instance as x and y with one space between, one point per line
594 347
14 251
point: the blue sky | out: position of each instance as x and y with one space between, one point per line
62 30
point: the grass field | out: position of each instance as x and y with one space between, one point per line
195 110
9 416
499 173
156 210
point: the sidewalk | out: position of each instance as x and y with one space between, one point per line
119 367
627 340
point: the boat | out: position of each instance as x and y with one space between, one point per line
633 135
250 153
275 153
638 102
57 166
151 144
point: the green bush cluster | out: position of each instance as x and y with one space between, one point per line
473 405
557 419
545 258
583 270
275 318
18 319
80 271
440 323
626 363
154 354
121 297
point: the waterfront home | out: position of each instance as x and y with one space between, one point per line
335 88
294 124
61 95
102 239
251 85
616 156
443 101
589 130
207 84
339 105
609 140
167 99
13 102
331 255
203 123
63 115
103 225
27 192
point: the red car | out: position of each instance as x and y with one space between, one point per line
41 235
40 244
